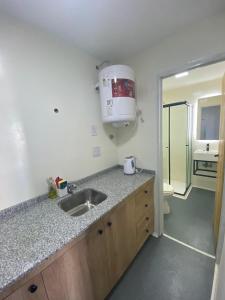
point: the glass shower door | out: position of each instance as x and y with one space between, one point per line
178 147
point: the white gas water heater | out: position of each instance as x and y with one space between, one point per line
117 92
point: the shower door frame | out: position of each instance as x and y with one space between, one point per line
169 105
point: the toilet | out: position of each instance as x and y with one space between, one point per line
167 191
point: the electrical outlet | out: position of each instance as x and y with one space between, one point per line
96 151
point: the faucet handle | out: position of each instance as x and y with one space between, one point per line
71 187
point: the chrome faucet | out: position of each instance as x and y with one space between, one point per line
207 147
71 187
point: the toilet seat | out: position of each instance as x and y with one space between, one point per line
167 189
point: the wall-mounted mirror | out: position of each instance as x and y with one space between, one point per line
208 118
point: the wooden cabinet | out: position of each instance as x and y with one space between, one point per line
90 267
33 290
68 277
111 244
98 259
144 208
120 238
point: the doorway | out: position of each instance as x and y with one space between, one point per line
191 138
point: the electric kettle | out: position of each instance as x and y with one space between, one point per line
129 166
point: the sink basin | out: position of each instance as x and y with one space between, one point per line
81 202
204 155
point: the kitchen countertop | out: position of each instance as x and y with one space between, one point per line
34 233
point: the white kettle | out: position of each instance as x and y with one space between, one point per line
129 166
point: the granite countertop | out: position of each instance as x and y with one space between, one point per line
34 233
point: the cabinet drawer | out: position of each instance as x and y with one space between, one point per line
144 200
149 187
143 206
148 215
144 229
146 191
33 290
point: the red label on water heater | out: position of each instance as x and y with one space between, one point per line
123 88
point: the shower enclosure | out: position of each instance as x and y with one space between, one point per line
177 146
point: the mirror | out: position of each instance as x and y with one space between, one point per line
209 118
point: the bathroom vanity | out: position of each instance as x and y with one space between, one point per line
205 163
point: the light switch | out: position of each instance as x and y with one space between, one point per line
94 130
96 151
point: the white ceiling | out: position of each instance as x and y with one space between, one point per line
112 29
203 74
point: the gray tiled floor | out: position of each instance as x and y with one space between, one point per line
166 270
190 220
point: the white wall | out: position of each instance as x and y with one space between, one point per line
192 93
193 44
37 74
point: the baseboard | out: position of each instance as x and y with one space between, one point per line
204 188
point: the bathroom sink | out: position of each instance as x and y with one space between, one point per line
81 202
204 155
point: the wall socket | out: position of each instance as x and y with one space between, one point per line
96 151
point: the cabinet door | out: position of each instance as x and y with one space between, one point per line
97 259
32 290
120 238
68 277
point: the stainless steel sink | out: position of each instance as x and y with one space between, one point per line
81 202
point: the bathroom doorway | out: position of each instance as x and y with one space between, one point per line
192 177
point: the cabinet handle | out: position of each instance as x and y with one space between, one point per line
147 230
32 288
109 224
146 205
100 231
146 192
147 218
